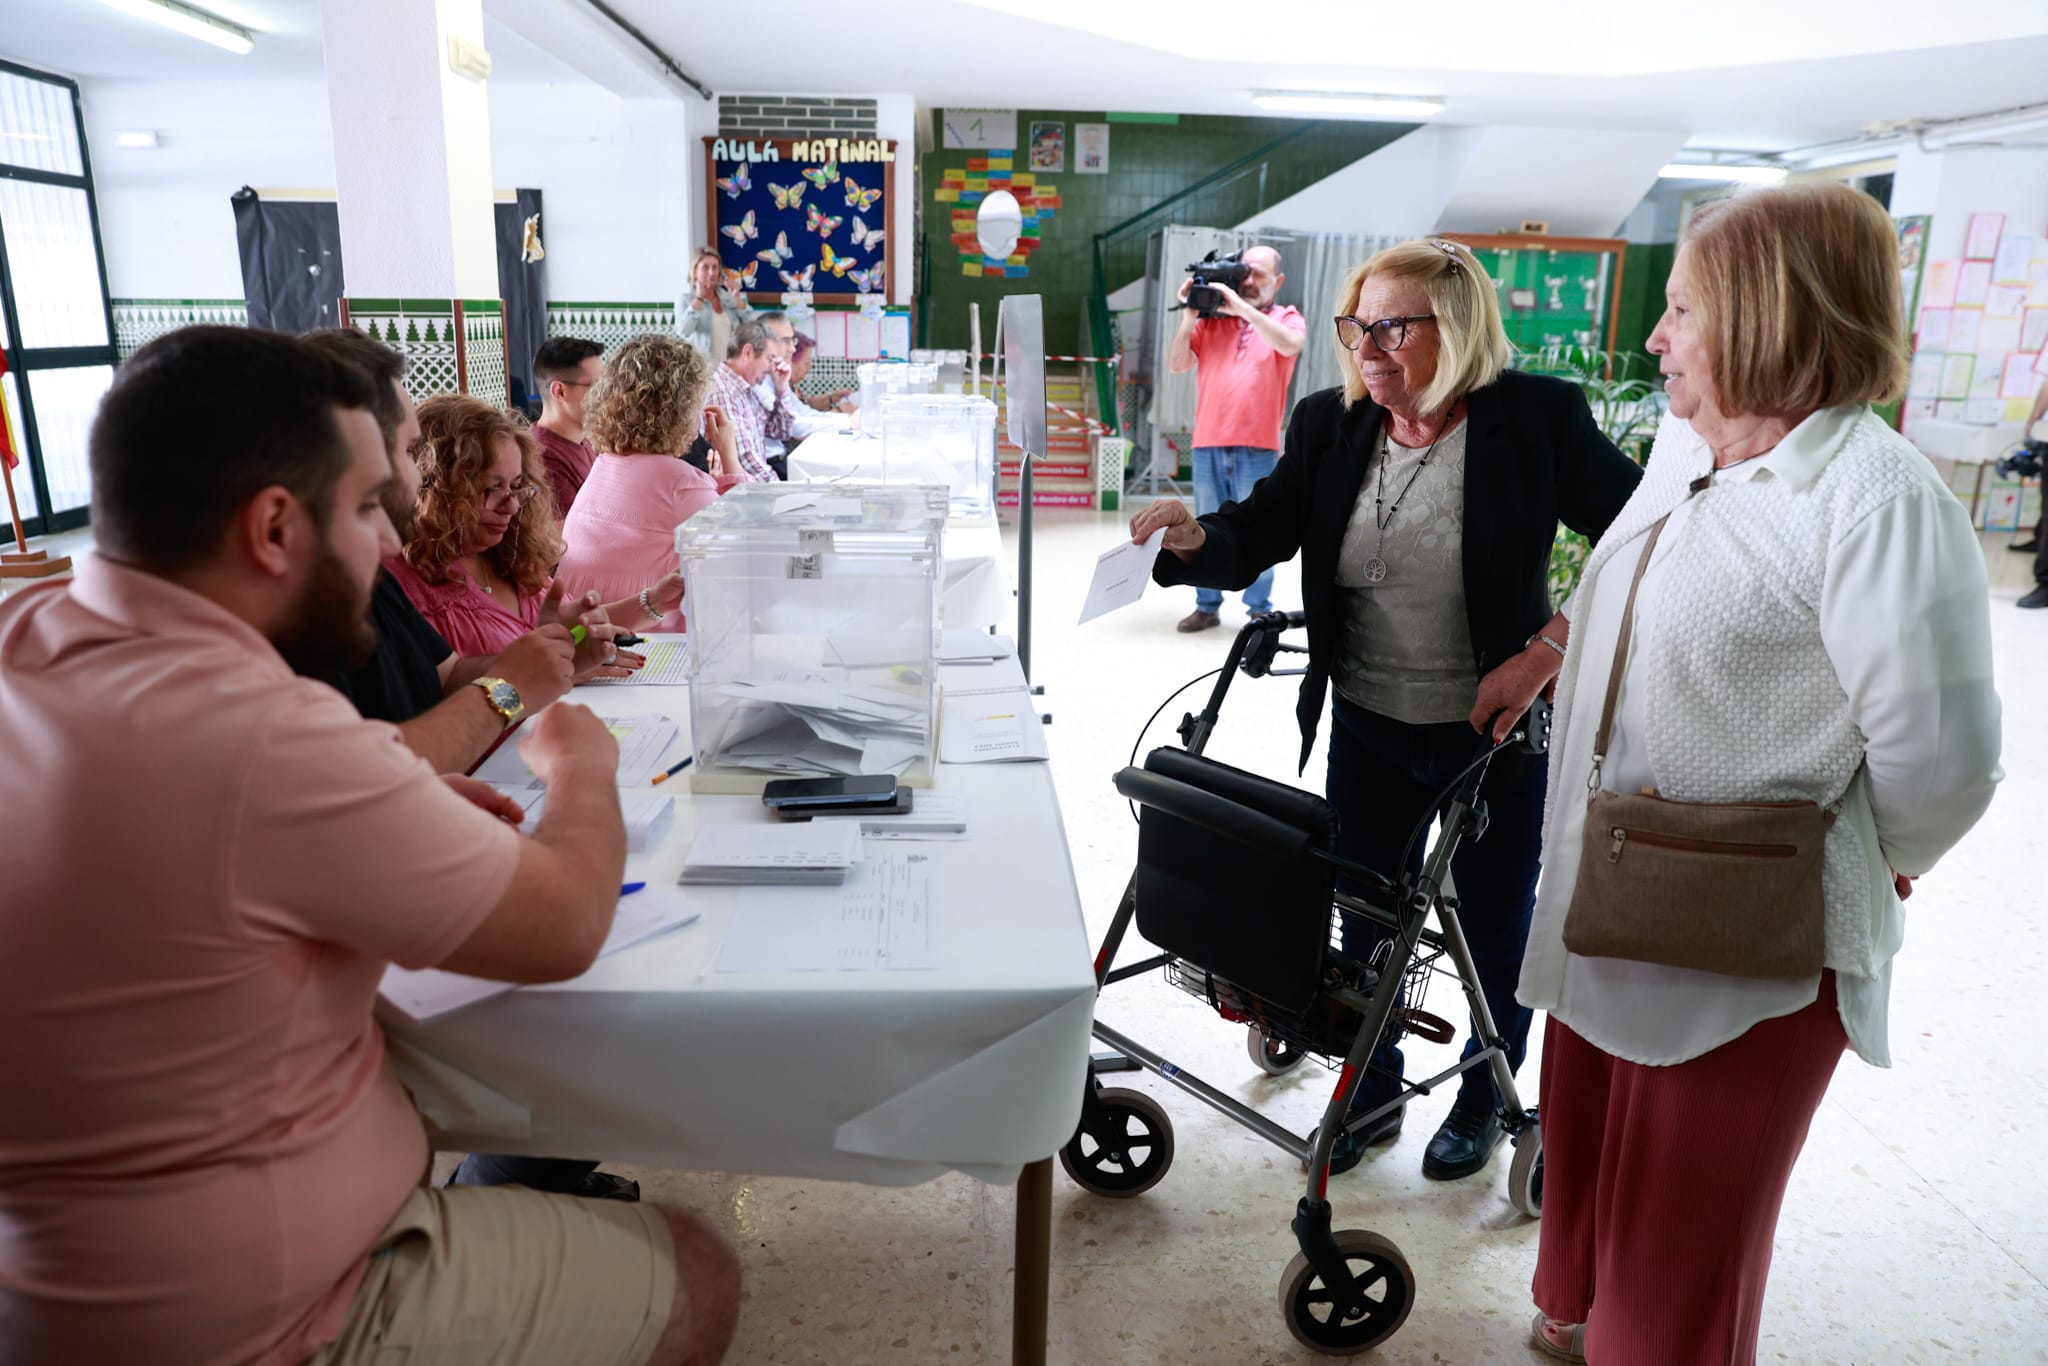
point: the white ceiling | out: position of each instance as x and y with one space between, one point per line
89 40
1755 74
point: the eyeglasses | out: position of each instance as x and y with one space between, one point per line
519 495
1388 334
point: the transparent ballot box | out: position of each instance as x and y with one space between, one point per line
814 633
880 378
945 439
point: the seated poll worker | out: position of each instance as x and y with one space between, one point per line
1423 497
643 414
205 1155
480 557
441 702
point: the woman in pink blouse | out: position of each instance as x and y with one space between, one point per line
641 415
478 559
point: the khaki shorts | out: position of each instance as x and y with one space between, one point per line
471 1275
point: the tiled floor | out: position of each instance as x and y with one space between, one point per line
1917 1225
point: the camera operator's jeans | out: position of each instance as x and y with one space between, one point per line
1383 776
1226 474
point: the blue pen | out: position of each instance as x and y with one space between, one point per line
631 888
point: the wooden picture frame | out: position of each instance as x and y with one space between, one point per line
723 209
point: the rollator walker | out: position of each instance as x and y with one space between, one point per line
1236 882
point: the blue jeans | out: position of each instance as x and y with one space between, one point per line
1226 474
1383 775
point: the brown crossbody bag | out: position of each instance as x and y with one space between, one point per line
1727 887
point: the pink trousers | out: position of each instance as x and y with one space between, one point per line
1662 1185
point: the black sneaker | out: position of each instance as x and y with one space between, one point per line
1463 1143
2037 598
2030 546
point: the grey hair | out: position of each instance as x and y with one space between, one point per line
747 332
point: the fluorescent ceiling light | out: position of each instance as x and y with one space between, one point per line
192 22
1309 102
135 138
1989 130
1747 175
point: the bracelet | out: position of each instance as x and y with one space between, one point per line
648 607
1547 641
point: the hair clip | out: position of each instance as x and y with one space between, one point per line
1448 250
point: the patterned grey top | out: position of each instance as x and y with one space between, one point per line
1406 650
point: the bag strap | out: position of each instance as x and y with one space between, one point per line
1628 617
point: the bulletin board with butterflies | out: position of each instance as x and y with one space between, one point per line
811 226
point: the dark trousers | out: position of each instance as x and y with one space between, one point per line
1384 774
2041 555
557 1175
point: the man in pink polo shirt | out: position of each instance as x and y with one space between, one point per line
1245 356
205 1155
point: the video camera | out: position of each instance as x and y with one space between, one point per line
1213 270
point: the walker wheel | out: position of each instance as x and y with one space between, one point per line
1133 1152
1274 1057
1311 1310
1525 1173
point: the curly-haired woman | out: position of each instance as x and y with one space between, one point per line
641 415
479 559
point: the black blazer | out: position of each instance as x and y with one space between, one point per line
1534 457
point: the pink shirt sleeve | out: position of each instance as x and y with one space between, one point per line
330 786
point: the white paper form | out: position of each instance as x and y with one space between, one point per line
991 729
430 993
794 851
668 661
882 918
1122 575
644 742
930 817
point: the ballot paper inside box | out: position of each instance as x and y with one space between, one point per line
945 439
814 632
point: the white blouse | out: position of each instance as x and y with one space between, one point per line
1815 625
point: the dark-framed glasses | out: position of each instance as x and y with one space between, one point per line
517 497
1388 334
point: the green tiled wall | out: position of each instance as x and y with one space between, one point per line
1147 163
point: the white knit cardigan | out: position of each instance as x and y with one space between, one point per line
1830 642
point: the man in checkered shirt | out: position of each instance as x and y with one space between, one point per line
752 355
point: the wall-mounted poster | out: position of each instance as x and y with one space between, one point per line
1091 148
802 215
978 128
1973 283
1981 243
1048 147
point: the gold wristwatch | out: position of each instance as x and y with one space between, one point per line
503 697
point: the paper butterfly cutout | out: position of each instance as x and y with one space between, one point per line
737 183
739 232
866 237
837 265
787 196
858 198
777 255
868 281
822 224
799 282
737 280
821 177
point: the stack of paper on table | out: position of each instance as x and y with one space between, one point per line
809 724
429 993
884 917
809 853
929 818
644 743
668 661
986 728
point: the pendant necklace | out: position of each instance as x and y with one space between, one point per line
1383 516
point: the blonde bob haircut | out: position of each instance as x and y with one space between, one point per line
1796 291
1472 345
650 398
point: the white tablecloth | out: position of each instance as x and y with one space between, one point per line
978 592
885 1077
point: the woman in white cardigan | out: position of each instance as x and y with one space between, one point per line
1812 625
